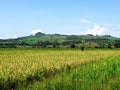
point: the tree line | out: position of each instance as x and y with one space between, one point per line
71 44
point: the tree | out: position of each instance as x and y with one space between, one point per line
117 44
55 43
109 45
72 45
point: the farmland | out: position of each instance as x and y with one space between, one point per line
100 75
24 67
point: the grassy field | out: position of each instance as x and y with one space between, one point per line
100 75
24 67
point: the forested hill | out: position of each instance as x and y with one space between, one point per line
58 40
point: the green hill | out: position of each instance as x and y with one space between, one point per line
57 40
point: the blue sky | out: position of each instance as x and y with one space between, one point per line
25 17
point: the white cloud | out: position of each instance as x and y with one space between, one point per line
36 31
84 21
96 30
15 36
67 34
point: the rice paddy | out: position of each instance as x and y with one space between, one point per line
24 67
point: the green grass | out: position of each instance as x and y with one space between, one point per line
100 75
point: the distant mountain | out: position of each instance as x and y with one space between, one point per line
42 39
40 34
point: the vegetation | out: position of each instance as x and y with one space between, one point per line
100 75
28 63
22 67
42 40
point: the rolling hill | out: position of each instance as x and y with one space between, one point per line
48 40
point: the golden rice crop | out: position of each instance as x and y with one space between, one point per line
19 64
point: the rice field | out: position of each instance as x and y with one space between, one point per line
23 67
100 75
